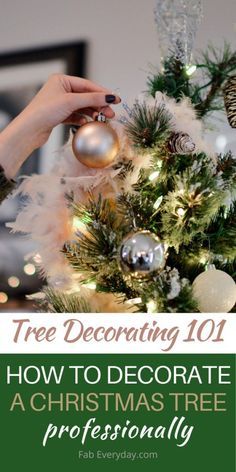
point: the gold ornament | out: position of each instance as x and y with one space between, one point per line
141 253
96 144
215 291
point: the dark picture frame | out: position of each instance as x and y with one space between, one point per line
72 53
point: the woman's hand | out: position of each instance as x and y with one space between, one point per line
63 99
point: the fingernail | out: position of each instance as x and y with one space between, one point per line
110 98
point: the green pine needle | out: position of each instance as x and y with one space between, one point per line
148 126
59 302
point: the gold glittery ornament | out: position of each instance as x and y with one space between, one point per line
96 144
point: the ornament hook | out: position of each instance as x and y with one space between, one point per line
101 117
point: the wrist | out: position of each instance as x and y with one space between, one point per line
17 141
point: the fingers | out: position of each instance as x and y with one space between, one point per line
92 100
107 111
78 84
81 121
79 117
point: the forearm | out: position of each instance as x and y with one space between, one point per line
17 142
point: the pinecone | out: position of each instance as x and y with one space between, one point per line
181 143
230 100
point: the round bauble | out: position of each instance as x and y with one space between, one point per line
215 291
141 253
95 144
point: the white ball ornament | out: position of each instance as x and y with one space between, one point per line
215 291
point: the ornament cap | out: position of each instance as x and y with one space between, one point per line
101 117
210 267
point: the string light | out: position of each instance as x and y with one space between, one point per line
91 285
78 225
151 306
203 260
29 269
134 300
190 69
181 212
221 142
158 202
13 281
3 297
154 175
37 258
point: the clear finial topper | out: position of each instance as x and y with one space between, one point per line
177 22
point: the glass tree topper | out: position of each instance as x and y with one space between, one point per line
177 22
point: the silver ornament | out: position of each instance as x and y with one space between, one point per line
141 253
181 143
96 144
230 100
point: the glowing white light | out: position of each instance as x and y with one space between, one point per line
78 225
158 202
180 212
203 260
151 306
13 281
221 142
37 258
29 269
154 175
3 297
190 69
134 300
91 285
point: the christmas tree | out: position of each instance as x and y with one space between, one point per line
145 218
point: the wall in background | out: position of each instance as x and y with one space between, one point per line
121 33
123 44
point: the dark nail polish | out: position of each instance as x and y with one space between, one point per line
110 98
